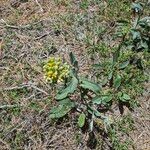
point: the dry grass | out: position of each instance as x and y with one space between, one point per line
28 37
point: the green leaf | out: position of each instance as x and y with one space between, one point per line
110 75
90 85
104 82
59 111
126 96
68 90
135 34
94 111
119 94
137 7
124 65
102 100
117 81
97 100
67 102
81 120
97 113
106 99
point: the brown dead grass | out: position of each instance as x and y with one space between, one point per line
23 50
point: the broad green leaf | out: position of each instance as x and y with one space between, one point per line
126 96
135 34
97 100
90 111
119 94
104 82
102 99
144 45
137 7
59 111
97 113
117 81
90 85
81 120
124 65
67 102
145 19
106 99
68 90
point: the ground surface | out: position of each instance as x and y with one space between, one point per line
30 33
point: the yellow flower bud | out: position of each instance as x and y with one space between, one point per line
55 70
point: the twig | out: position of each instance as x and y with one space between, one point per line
14 88
23 86
41 9
13 27
42 36
9 106
38 89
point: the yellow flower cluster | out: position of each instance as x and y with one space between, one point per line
55 70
